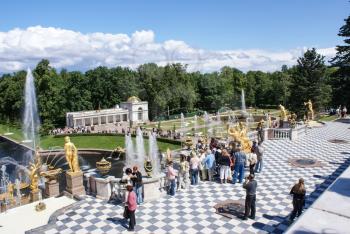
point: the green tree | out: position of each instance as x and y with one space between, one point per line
341 78
309 82
50 95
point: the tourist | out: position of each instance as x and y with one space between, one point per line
209 163
250 186
137 182
183 173
131 205
172 173
194 165
252 160
240 159
218 159
259 151
298 191
199 144
225 168
127 176
203 172
344 112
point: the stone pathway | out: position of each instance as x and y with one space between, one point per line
193 211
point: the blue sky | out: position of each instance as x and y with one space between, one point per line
268 25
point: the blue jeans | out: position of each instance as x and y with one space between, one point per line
138 191
172 187
194 176
239 168
259 166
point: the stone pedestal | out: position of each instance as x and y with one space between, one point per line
75 184
153 188
103 188
34 196
52 188
284 124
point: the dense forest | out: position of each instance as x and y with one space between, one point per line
172 87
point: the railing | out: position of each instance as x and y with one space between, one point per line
280 133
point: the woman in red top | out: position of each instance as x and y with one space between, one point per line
131 207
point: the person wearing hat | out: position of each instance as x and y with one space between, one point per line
240 159
250 186
298 191
131 207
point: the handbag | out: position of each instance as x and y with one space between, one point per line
126 213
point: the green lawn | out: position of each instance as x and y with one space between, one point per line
328 118
97 142
17 132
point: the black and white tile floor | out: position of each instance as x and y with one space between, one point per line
192 211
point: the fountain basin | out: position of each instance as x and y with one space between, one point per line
103 187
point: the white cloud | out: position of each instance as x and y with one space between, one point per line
22 48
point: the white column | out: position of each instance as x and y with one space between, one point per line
91 121
74 123
83 121
99 120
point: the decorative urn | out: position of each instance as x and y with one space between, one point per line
188 142
103 166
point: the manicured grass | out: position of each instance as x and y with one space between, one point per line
328 118
97 142
17 132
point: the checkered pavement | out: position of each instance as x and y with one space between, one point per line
193 211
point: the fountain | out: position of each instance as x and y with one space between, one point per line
129 150
31 122
218 118
140 151
153 154
195 123
243 108
182 121
206 118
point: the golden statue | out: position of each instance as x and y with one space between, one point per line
239 134
283 113
310 111
10 188
71 155
34 176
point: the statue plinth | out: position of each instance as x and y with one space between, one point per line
52 188
75 183
34 195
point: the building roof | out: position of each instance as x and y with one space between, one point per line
133 99
98 112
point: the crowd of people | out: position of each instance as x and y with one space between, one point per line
224 163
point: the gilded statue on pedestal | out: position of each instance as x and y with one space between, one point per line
283 113
310 111
239 134
71 155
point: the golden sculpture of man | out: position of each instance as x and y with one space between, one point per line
310 111
71 155
283 113
34 177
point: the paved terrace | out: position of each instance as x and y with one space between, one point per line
193 211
